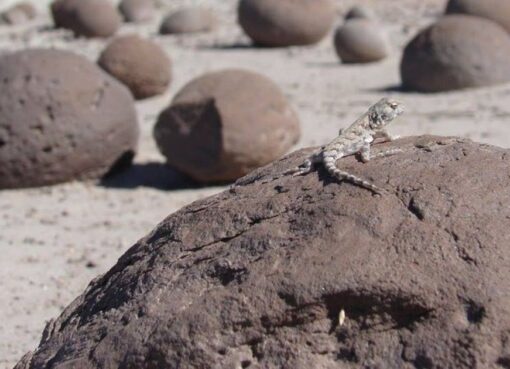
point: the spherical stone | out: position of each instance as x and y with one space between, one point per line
225 124
137 11
286 22
88 18
361 41
140 64
19 13
188 20
61 118
360 11
459 51
258 276
495 10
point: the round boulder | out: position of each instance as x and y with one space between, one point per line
286 22
19 13
87 18
304 272
188 20
61 118
225 124
139 63
137 11
361 40
495 10
459 51
360 11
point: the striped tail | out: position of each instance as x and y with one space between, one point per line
330 165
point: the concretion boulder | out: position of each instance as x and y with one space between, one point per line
495 10
19 13
137 11
188 20
286 22
225 124
87 18
304 272
140 64
361 41
459 51
61 119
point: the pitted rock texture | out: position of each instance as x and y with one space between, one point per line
86 18
141 64
189 20
225 124
286 22
459 51
495 10
61 118
256 277
361 40
137 11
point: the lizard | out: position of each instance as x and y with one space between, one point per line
355 139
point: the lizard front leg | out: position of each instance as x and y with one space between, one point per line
386 136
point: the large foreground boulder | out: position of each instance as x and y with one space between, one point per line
495 10
304 272
459 51
61 118
286 22
224 124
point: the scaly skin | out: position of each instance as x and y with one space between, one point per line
353 140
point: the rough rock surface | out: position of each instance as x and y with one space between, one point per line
224 124
256 277
19 13
188 20
459 51
137 11
495 10
286 22
361 41
140 64
87 18
61 118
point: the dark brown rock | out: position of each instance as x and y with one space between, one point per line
189 20
137 11
225 124
61 118
19 13
459 51
361 41
87 18
140 64
495 10
256 277
286 22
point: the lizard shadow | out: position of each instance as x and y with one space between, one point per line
152 175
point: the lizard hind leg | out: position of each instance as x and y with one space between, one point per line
344 176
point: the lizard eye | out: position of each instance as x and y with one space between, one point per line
393 105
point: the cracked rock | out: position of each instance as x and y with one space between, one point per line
304 272
224 124
61 118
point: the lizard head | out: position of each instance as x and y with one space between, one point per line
383 112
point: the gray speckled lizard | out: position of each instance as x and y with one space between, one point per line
353 140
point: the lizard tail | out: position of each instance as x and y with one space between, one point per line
340 175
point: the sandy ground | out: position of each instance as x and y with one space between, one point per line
54 240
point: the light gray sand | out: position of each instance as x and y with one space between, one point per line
53 241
